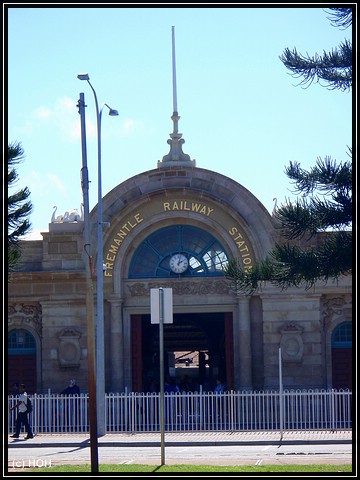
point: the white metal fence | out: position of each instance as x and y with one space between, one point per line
204 411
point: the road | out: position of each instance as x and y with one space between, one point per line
25 457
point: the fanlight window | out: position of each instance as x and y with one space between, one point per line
342 335
204 253
20 341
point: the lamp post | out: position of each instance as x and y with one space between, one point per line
100 353
90 314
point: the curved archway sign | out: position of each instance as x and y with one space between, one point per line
191 207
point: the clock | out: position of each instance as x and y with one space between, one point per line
178 263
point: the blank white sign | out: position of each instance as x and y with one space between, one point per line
155 305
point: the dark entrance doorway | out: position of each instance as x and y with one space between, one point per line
21 360
197 350
342 368
341 353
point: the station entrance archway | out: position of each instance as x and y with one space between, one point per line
198 348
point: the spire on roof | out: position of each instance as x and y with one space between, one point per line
176 157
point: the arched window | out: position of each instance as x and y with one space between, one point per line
342 336
204 254
20 342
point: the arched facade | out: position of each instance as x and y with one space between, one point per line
209 218
186 198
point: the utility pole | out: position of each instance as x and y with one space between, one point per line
90 309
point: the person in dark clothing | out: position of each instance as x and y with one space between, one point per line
16 392
220 386
22 417
71 407
168 386
72 389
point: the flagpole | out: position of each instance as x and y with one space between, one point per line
174 71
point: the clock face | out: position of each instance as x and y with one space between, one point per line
178 263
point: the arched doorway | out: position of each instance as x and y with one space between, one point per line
194 344
196 350
341 356
21 359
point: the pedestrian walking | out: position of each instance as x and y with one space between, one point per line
22 416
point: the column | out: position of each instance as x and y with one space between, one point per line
244 343
116 347
127 364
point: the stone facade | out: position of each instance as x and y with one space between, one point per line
47 292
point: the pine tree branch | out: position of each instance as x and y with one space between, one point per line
335 67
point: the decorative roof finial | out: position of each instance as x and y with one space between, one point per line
176 157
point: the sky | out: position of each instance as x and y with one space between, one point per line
241 112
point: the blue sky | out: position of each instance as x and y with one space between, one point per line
241 113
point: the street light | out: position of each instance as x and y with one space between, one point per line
100 353
90 313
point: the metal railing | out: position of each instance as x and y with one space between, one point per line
194 411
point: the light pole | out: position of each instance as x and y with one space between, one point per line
90 313
100 353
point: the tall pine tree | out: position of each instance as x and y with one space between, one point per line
324 204
19 207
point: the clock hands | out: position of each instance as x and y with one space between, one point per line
178 263
181 260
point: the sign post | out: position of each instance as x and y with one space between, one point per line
162 399
281 396
161 312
